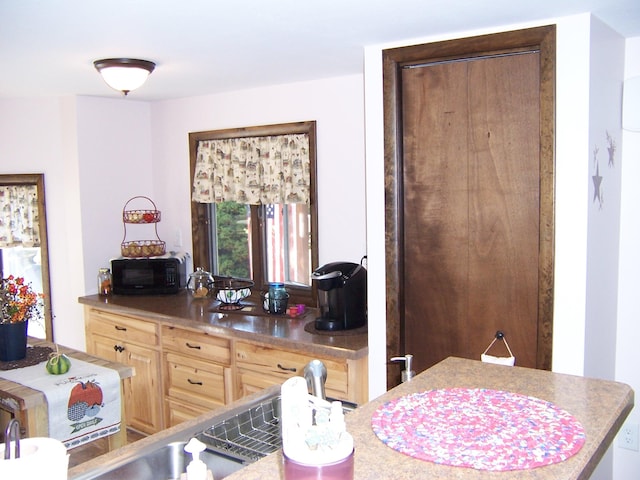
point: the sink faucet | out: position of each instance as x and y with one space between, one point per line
315 373
12 433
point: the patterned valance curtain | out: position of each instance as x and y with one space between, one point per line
19 223
253 170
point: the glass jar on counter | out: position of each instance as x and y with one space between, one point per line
277 299
104 282
200 283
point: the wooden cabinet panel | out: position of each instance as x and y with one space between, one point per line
182 372
178 412
277 365
122 327
142 391
197 344
195 382
197 372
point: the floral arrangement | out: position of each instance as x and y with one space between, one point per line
18 301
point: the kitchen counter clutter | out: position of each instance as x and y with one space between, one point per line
191 358
599 406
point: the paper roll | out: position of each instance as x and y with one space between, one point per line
40 458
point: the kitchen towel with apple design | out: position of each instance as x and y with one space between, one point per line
83 404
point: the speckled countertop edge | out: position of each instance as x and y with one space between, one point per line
182 310
601 406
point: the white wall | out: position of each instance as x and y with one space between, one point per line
37 135
605 133
97 153
627 462
336 104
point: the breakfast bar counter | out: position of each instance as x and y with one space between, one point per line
600 406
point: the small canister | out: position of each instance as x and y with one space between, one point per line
277 299
200 283
104 282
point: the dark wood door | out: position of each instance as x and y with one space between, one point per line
471 207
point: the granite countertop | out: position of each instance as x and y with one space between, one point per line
600 406
250 323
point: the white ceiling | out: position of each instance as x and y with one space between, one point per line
47 47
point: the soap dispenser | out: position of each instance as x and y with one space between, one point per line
197 469
407 373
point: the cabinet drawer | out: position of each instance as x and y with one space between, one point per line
178 412
197 344
282 364
123 328
196 382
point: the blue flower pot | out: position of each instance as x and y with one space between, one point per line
13 341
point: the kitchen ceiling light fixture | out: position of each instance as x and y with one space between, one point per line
124 74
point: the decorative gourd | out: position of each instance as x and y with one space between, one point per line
58 363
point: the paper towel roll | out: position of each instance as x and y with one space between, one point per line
40 458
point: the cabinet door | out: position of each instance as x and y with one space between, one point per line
277 365
196 382
178 412
143 400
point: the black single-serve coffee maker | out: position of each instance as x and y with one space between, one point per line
342 296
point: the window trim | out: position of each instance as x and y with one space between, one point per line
200 218
37 179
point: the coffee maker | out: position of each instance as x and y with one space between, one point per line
342 296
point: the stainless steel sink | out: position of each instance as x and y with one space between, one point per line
234 439
168 463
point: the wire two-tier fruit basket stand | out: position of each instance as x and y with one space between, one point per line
141 216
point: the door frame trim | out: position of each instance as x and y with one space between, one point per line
539 38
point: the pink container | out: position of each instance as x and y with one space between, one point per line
342 470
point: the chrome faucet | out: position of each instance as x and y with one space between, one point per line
12 433
315 373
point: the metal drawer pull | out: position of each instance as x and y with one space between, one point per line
118 348
193 383
288 369
122 329
192 346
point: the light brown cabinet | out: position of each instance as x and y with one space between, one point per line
182 371
259 366
134 342
197 373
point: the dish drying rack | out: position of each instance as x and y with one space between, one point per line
250 435
141 248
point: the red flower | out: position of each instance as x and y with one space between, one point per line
17 301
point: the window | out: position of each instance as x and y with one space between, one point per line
258 240
23 239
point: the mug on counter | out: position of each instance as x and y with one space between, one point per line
276 305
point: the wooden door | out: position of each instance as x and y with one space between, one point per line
469 199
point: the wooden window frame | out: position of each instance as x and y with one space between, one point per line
200 218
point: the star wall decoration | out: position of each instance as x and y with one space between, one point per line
597 185
597 179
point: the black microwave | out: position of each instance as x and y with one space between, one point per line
149 276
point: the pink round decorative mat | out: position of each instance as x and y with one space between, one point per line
478 428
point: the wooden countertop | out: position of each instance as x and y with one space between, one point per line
251 323
601 406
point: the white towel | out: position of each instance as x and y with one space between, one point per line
83 404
